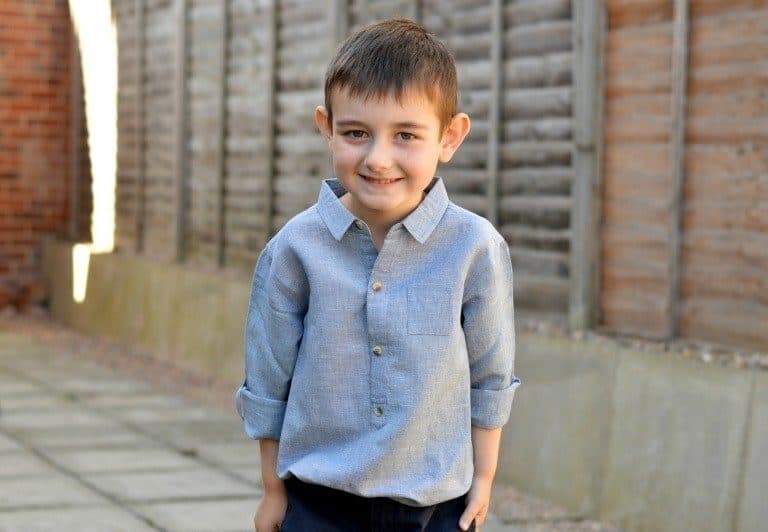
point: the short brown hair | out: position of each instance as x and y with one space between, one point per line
389 57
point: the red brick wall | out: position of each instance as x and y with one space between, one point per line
34 140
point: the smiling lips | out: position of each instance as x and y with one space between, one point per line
379 181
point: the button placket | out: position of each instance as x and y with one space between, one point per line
378 311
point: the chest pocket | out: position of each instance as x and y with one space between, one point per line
429 310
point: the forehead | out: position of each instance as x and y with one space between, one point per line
412 105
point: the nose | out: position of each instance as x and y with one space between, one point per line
379 157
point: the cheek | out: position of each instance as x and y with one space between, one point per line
344 154
420 162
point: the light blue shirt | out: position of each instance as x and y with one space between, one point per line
370 367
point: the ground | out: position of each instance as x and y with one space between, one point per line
99 435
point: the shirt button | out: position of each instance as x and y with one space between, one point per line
377 350
359 224
378 411
376 286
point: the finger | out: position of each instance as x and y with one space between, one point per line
469 514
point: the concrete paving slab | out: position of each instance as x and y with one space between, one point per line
45 364
87 460
233 453
10 339
8 444
12 388
203 516
195 432
22 463
146 487
27 492
31 401
142 414
92 386
23 349
66 416
80 519
147 399
91 436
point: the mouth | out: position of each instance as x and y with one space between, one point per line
376 181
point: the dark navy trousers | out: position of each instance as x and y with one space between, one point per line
315 508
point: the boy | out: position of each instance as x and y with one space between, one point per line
379 344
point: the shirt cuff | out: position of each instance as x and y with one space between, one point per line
262 417
491 408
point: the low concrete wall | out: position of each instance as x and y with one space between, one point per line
647 440
193 317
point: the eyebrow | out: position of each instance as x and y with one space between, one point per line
406 125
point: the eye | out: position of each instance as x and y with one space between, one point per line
355 133
406 136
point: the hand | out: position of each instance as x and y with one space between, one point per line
478 502
271 510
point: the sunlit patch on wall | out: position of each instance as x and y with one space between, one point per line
81 258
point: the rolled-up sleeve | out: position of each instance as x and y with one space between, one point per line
489 330
274 327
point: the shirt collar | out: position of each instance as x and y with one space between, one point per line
420 223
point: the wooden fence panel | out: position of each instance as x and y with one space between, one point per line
724 281
254 72
536 147
248 171
465 28
301 156
126 201
205 28
637 168
159 221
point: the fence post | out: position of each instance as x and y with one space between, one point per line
269 118
677 152
75 140
495 110
180 121
221 133
588 45
139 238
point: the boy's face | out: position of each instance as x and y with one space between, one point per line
385 152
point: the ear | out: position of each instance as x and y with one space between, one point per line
453 136
322 123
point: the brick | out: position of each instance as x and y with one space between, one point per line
34 138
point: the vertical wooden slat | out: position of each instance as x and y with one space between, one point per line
495 110
588 44
180 121
140 207
677 156
270 117
221 133
338 23
75 138
415 11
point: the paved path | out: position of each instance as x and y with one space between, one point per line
84 448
